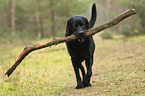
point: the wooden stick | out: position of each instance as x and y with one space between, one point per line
56 41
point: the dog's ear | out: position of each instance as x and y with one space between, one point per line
68 30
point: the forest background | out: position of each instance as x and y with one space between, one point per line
23 19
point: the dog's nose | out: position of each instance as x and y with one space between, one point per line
81 32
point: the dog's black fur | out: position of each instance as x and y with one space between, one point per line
82 49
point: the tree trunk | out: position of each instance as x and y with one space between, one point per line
41 25
12 16
38 23
52 18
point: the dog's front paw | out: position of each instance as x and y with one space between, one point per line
89 85
86 81
79 86
86 84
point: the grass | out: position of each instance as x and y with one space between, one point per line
119 69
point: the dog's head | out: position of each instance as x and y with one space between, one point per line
78 26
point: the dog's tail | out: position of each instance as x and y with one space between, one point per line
93 16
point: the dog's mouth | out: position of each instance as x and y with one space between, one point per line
81 40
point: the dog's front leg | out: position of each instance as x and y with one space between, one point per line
76 63
87 77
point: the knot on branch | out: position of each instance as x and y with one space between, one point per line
28 46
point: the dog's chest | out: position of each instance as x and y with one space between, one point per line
80 46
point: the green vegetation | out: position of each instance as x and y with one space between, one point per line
132 26
119 69
106 35
136 26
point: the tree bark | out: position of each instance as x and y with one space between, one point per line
12 16
90 32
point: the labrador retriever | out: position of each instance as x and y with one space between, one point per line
83 48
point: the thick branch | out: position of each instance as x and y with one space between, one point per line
90 32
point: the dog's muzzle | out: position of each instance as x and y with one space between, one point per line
81 36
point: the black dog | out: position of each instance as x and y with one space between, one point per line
83 48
